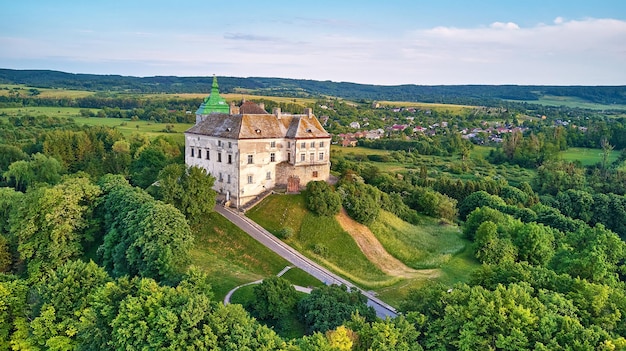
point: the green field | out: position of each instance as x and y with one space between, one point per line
587 156
24 91
124 125
428 106
572 102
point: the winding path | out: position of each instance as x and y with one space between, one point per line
297 259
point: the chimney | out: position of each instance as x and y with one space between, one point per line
277 112
262 105
309 112
234 109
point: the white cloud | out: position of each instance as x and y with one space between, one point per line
501 25
587 51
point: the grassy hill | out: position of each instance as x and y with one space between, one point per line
431 245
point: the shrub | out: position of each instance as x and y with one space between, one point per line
321 199
285 233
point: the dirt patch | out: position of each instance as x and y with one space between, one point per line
376 253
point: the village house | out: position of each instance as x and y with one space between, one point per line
250 151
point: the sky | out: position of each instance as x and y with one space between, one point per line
391 42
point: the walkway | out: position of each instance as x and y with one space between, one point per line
297 259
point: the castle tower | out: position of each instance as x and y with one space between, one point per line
213 103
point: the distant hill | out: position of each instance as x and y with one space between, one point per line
459 94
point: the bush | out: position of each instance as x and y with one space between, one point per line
285 233
320 250
321 199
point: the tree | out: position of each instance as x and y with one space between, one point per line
433 203
190 189
491 248
14 313
143 236
274 299
10 154
361 201
322 199
39 169
534 242
65 293
330 306
145 169
479 199
51 224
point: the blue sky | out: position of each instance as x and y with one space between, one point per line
551 42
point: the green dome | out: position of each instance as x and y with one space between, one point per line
214 102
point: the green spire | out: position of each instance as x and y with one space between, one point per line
214 102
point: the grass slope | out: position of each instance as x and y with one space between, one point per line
230 256
320 238
429 245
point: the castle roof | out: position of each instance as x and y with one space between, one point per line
259 126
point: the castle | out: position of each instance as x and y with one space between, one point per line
250 151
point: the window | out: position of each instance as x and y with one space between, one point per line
219 157
289 157
230 145
288 144
303 145
221 179
230 159
199 153
219 143
321 156
250 159
312 157
314 174
272 144
272 157
302 157
268 175
312 144
192 152
228 178
250 179
321 144
207 155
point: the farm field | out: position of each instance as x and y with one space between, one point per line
124 125
24 90
572 102
428 106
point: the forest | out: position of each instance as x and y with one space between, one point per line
96 229
488 95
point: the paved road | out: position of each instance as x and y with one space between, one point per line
297 259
